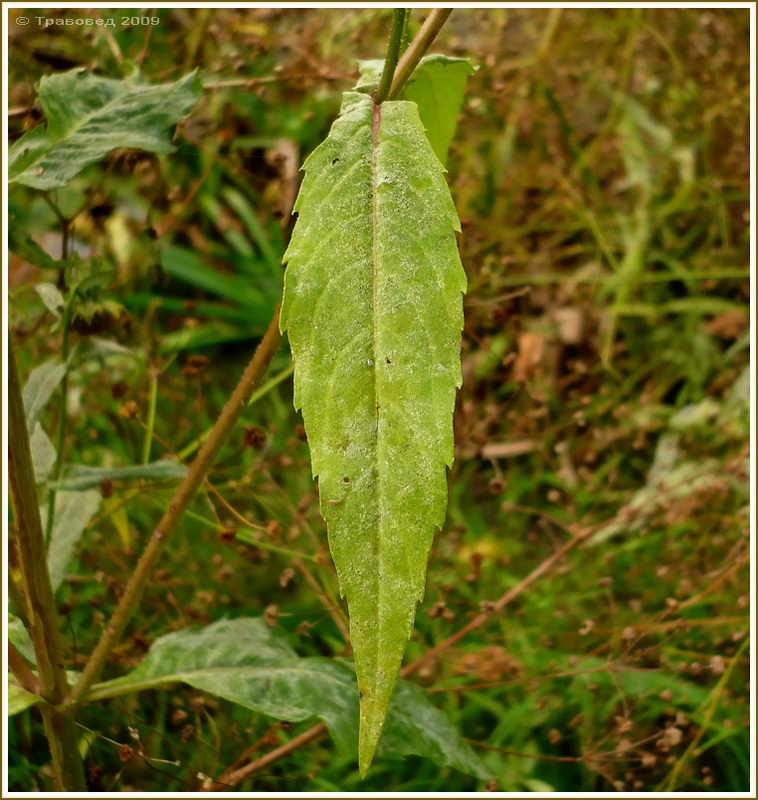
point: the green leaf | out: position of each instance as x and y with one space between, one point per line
187 266
207 335
39 388
73 510
19 699
78 477
245 662
18 634
437 86
20 243
416 727
43 454
254 226
88 116
51 298
373 308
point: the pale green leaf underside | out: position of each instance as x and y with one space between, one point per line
373 309
39 388
88 116
79 477
18 698
437 86
245 662
73 510
18 635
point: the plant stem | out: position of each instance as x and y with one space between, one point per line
61 437
406 38
714 698
185 492
422 41
270 384
393 53
152 403
40 603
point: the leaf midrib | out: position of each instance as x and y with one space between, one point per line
376 118
121 686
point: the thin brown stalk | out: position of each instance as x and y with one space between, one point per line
333 610
422 41
239 775
38 593
184 494
262 80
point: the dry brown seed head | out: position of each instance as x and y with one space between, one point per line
129 410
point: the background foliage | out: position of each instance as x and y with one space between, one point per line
600 170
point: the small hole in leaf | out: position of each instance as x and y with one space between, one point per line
388 360
345 479
335 161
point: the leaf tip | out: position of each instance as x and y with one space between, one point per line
373 712
366 749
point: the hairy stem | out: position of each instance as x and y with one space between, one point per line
184 494
422 41
393 53
38 593
152 404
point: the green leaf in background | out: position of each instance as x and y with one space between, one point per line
416 727
51 298
73 510
39 388
77 477
18 634
437 86
188 267
18 698
245 662
43 455
88 116
373 308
